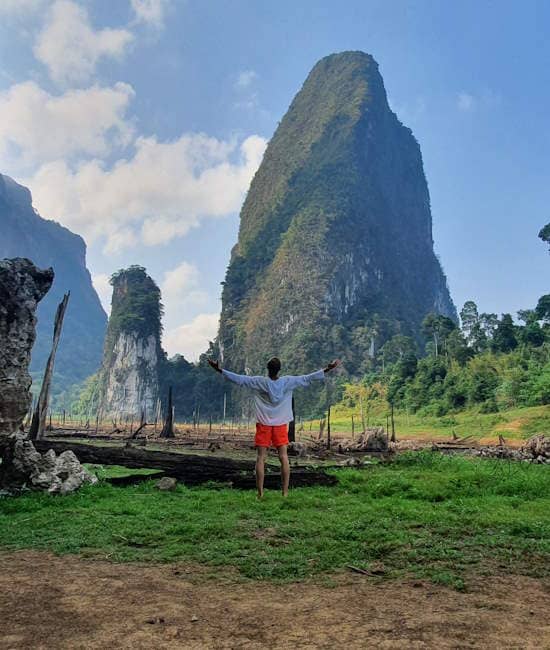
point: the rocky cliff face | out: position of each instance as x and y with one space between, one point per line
22 286
132 358
335 250
47 244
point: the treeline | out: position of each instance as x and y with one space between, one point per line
487 362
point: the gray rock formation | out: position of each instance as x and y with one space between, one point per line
166 484
131 382
26 234
132 358
22 286
335 252
47 472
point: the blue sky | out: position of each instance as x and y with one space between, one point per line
139 123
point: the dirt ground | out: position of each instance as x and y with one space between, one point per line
69 602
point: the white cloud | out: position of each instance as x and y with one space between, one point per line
191 339
36 126
246 78
150 12
69 46
104 290
409 111
161 192
483 100
20 7
181 285
465 102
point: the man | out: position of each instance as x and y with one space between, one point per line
273 405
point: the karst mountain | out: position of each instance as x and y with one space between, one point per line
335 253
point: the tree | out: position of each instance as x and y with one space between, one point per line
438 328
504 339
396 348
473 326
457 347
404 371
542 309
489 324
528 316
469 317
544 234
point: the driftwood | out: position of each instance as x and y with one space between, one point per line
38 423
189 469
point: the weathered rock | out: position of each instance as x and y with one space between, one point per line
535 450
297 449
374 439
352 462
22 285
538 446
129 384
57 474
166 484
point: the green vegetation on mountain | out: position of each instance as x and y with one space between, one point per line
136 306
335 252
26 234
489 365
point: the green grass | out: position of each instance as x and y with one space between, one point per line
425 515
118 471
513 424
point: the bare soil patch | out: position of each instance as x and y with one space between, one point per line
68 602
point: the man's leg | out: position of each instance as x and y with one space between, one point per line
285 468
260 466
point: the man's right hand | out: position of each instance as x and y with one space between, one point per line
332 365
215 365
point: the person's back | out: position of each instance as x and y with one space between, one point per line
273 397
273 406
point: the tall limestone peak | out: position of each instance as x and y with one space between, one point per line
132 357
335 250
48 244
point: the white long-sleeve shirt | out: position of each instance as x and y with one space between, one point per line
273 397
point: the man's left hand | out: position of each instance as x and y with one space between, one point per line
332 365
215 365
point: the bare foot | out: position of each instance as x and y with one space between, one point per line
260 496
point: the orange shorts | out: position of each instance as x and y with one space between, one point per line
266 435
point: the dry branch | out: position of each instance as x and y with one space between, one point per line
38 423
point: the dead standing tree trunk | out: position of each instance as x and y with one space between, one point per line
168 427
142 424
38 423
291 425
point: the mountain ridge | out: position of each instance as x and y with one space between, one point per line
335 246
48 243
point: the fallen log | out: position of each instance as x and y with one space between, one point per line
189 469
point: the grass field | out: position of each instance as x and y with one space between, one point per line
424 515
514 424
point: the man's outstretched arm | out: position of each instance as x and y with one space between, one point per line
301 381
240 380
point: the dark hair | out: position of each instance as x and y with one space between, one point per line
273 366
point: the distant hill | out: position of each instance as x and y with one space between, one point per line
335 251
26 234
